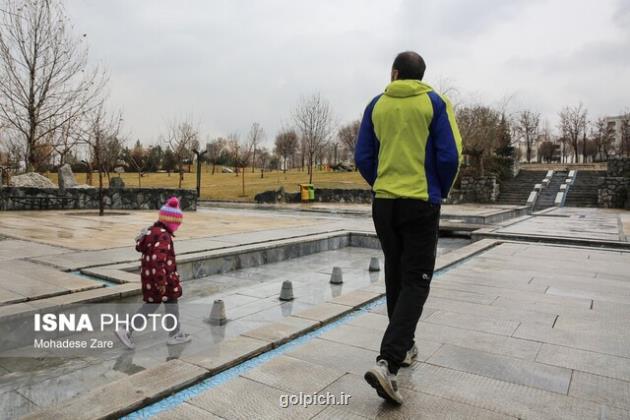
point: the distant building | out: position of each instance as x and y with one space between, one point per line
521 149
615 124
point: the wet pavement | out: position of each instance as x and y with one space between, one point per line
251 299
510 319
500 338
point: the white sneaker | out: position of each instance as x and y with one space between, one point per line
412 355
179 338
125 338
385 383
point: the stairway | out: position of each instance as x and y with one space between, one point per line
583 192
516 190
547 197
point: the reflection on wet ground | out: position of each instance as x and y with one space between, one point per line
251 299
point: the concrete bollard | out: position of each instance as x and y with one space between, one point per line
374 276
374 264
337 276
217 313
286 293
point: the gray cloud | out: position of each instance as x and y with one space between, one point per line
229 63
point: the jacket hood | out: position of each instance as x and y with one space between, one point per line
406 88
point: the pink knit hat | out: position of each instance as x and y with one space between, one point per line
171 215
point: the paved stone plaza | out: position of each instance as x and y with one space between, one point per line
512 329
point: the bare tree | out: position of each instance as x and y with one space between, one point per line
603 136
573 126
240 154
480 127
565 149
137 158
255 136
527 125
16 151
101 127
112 154
322 154
348 135
263 157
65 138
286 146
215 149
182 138
589 149
234 149
545 151
192 157
45 82
446 86
313 118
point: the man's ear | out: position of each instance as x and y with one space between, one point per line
394 74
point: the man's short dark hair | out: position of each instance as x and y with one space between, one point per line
409 65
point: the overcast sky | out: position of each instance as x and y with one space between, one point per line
228 63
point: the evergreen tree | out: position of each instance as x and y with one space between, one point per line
505 147
154 159
169 161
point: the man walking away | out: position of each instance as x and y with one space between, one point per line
409 151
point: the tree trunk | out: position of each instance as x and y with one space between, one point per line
529 152
310 170
243 177
101 204
584 147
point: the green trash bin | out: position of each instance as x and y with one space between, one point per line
311 192
304 192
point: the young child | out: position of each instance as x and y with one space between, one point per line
160 281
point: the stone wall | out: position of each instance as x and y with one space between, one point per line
483 189
340 195
322 195
619 167
25 198
613 192
473 190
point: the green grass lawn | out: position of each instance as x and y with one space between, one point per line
222 186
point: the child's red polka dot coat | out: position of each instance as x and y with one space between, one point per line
160 281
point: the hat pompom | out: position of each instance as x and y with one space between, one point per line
171 214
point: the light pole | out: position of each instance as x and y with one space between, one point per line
199 155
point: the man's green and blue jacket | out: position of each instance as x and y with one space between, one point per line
409 145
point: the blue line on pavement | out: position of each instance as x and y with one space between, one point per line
186 394
178 398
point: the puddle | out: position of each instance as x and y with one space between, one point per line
107 283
